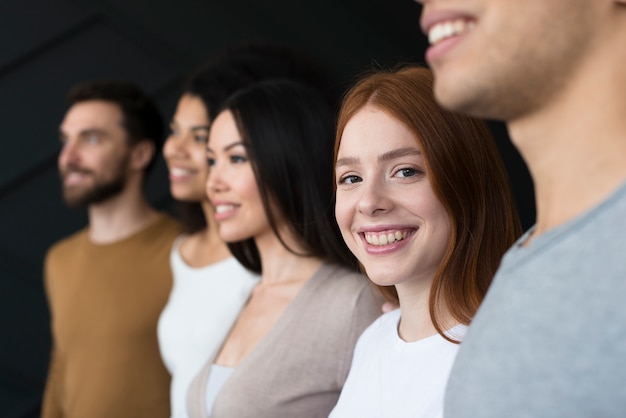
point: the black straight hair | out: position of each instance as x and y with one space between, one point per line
239 66
288 131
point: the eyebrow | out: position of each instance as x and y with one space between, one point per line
193 128
85 132
387 156
397 153
229 146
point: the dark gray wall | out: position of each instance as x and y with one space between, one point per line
48 45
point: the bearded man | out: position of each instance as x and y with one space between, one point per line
107 284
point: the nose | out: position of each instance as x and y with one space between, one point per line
374 199
174 146
68 154
215 180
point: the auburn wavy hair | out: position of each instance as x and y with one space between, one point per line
467 175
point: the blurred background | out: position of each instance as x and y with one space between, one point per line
46 46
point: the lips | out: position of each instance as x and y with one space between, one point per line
223 211
386 237
179 173
224 208
445 29
448 29
74 177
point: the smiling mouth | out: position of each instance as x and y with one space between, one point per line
448 29
386 237
180 172
73 177
224 208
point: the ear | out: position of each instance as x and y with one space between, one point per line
141 154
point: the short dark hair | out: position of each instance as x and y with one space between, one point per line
239 66
141 118
287 128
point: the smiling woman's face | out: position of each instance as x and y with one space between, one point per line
387 211
185 150
231 185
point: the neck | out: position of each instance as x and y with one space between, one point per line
415 321
120 216
279 264
574 146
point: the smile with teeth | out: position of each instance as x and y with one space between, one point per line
224 208
179 172
385 237
449 28
74 177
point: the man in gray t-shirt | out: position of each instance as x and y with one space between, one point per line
550 337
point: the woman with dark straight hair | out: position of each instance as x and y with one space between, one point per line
270 182
203 305
424 203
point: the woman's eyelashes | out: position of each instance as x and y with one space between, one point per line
349 179
201 138
200 135
406 172
233 159
238 159
402 172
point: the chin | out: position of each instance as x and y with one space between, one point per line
380 277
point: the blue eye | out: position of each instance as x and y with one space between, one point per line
201 138
350 179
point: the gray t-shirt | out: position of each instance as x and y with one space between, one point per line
550 338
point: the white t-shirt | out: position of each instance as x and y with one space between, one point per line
202 307
393 378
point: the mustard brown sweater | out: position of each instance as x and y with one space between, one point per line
105 301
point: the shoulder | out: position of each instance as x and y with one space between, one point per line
343 293
339 279
68 244
384 325
160 233
166 225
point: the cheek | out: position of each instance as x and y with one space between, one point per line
344 214
167 149
199 155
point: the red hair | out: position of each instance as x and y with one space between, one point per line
466 174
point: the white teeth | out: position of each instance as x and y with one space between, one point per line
447 29
179 171
223 208
385 238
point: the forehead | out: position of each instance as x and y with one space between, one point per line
93 114
372 130
223 131
191 110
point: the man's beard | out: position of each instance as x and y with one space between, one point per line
99 192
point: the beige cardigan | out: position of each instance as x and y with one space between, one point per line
300 366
